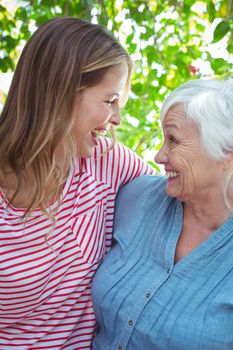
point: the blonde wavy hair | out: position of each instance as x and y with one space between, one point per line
63 56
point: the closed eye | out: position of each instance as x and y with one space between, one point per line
172 139
110 102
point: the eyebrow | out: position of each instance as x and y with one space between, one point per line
113 94
170 125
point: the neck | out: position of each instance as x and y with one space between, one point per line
25 195
210 212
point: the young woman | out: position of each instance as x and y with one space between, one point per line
59 177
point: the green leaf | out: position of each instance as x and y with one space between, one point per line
201 28
132 48
6 64
155 166
2 9
230 47
129 38
21 13
220 66
220 31
47 3
138 88
42 19
211 10
151 54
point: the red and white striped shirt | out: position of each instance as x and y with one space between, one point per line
45 300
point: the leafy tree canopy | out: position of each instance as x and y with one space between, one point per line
171 41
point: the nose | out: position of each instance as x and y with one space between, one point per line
162 156
116 115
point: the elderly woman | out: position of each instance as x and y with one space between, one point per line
167 282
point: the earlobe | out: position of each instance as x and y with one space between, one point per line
228 161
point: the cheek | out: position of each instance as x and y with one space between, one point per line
98 115
185 165
105 111
88 117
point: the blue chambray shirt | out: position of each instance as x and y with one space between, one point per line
145 302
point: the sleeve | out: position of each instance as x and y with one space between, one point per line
117 165
130 165
125 165
138 203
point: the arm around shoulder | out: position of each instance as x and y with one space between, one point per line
136 198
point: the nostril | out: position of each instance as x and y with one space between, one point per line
161 157
115 119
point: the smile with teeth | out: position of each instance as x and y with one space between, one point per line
99 132
170 174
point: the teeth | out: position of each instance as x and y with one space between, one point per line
172 173
99 132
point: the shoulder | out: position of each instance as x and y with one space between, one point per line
141 202
138 198
107 148
148 187
115 164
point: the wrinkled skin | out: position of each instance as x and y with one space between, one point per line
182 151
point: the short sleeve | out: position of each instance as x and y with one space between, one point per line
136 202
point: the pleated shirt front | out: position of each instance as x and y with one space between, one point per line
142 300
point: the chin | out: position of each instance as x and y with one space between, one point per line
170 193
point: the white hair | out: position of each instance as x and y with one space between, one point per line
209 103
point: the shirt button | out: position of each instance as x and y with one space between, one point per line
148 295
168 270
130 322
120 347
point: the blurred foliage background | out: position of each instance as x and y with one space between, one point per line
170 41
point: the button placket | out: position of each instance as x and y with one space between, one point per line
132 320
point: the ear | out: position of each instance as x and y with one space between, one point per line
228 161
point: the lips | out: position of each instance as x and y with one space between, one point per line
172 174
99 132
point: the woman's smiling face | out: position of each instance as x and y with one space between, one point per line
97 107
191 171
